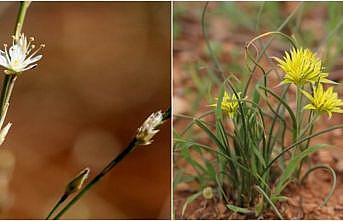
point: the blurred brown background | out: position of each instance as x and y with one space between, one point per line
106 67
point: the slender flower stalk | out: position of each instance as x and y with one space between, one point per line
298 96
9 80
151 124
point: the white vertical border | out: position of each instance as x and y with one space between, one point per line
172 110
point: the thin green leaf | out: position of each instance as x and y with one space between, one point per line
259 189
339 126
211 135
293 165
237 209
209 149
333 183
256 95
278 198
289 109
189 200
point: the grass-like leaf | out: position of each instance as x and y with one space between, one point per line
189 200
237 209
333 182
293 165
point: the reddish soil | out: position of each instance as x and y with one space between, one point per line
303 203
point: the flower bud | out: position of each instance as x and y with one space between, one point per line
77 182
149 128
207 193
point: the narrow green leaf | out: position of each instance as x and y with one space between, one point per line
259 208
259 189
293 165
333 183
237 209
189 200
208 148
186 155
210 170
289 109
256 95
211 135
339 126
278 198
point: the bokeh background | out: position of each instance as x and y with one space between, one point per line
106 67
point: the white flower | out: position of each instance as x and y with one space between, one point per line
18 57
149 128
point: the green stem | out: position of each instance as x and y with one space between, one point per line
310 126
106 169
8 81
59 202
298 112
96 179
6 91
24 5
298 120
299 124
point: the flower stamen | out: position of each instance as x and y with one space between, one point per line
18 57
302 66
41 46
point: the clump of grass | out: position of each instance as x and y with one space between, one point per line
257 141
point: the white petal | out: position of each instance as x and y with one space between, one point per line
23 41
13 51
16 52
35 59
3 60
29 61
28 67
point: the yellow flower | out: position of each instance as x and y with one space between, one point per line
301 66
229 104
324 101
